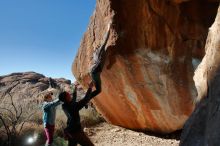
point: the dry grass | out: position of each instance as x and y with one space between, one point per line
90 117
34 125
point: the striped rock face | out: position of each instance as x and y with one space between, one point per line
153 50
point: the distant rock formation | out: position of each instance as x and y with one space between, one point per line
153 50
25 109
27 88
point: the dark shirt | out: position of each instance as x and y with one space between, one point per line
72 112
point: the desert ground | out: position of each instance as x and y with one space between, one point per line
105 134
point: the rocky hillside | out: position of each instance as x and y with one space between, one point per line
153 51
24 110
27 88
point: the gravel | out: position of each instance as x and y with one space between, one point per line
106 134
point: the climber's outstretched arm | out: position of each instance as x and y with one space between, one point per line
100 53
105 38
99 59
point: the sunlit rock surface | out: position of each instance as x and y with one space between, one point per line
153 50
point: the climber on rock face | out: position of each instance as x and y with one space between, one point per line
74 132
98 62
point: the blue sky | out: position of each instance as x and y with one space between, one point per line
42 35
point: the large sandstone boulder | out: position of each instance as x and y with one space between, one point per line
202 128
153 50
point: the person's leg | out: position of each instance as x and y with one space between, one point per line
46 130
82 139
69 136
49 131
72 142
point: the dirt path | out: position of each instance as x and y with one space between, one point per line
108 135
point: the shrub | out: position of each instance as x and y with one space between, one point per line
90 117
